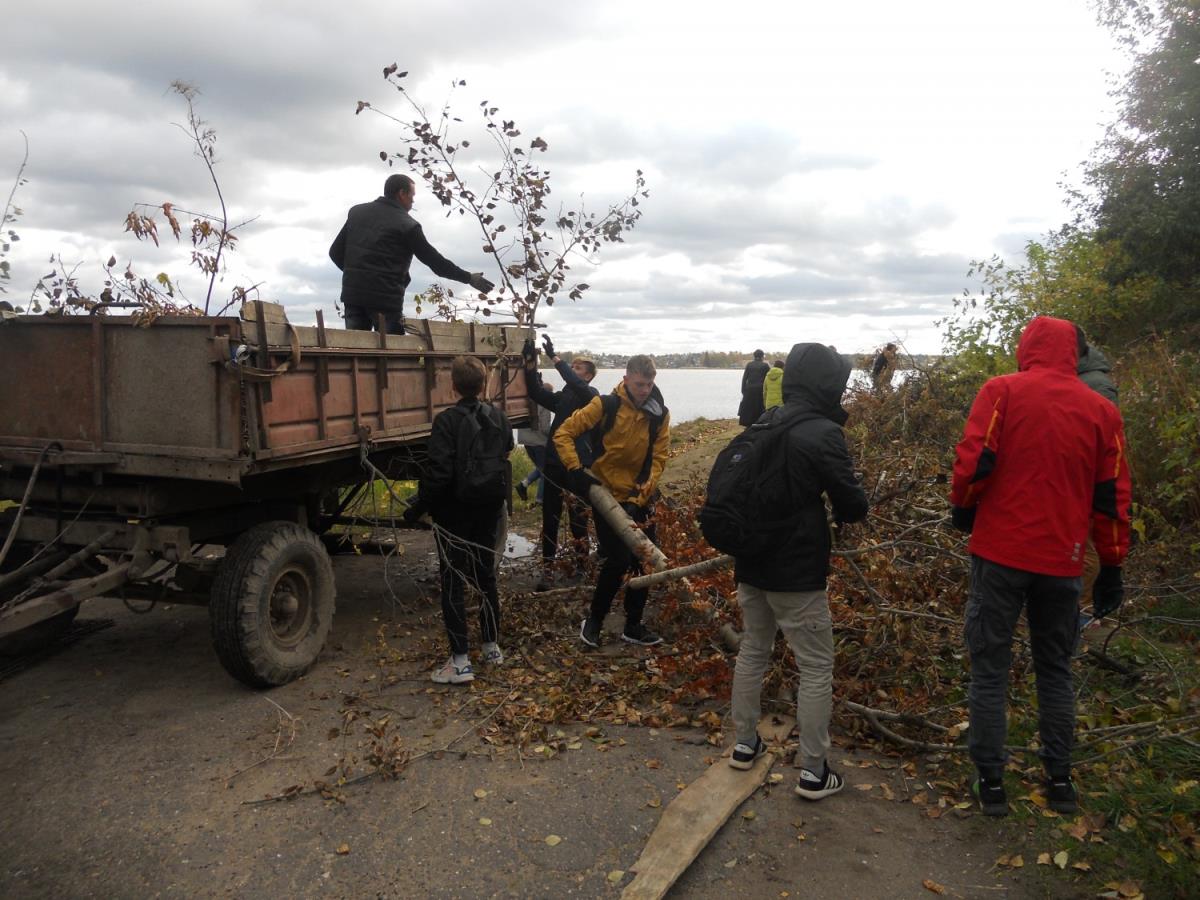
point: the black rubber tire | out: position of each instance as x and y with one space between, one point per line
38 636
272 604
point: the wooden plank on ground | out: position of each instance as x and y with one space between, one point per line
692 819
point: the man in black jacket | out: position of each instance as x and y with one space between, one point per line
374 250
577 393
753 376
784 587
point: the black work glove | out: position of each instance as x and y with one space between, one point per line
580 482
963 518
480 283
529 353
413 514
1108 592
548 345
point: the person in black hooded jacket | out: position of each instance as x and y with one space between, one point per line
374 250
784 587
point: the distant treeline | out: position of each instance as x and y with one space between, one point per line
734 359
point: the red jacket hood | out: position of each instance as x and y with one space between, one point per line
1048 343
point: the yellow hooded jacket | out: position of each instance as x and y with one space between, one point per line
773 388
625 446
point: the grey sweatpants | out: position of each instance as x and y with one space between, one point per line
803 616
997 596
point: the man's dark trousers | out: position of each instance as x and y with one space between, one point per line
554 494
618 560
466 545
997 596
362 318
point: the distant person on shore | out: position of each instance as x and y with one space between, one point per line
464 488
631 433
751 406
785 587
1042 462
773 386
883 367
577 393
374 251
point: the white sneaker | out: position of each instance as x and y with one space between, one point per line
449 673
814 787
493 656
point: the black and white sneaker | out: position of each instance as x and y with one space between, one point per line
744 755
589 633
640 634
816 787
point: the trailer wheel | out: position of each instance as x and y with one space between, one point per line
272 604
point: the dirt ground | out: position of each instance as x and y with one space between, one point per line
130 762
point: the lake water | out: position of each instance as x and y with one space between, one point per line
690 393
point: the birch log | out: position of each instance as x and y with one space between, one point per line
663 575
634 538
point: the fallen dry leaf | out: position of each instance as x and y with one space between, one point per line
485 821
343 849
616 875
1060 859
480 793
553 840
930 885
1043 859
749 815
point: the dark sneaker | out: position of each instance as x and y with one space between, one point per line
744 755
815 787
1060 793
522 490
990 794
640 634
589 633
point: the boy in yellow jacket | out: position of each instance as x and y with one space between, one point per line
631 435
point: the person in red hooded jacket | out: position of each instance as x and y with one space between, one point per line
1041 464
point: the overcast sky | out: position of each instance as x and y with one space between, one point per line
814 173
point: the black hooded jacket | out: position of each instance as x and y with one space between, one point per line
818 463
374 250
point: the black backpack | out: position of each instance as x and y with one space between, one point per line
481 473
743 488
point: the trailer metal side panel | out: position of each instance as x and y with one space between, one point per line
165 401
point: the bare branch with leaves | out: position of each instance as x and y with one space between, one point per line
532 246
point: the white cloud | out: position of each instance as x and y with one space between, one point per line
813 169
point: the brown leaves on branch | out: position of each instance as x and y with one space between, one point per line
511 206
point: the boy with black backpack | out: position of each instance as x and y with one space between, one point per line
629 432
766 507
464 488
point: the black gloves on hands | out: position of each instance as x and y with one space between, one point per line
480 283
963 518
413 514
529 353
580 482
548 345
1108 592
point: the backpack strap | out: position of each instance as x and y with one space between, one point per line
612 405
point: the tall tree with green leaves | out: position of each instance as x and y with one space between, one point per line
1145 176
